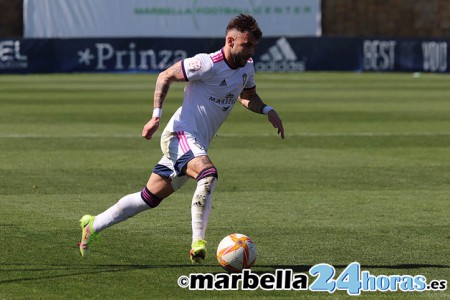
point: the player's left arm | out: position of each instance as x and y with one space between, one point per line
251 100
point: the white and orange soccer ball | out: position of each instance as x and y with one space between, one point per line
236 252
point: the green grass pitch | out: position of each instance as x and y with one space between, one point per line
363 175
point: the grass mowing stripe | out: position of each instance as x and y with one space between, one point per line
232 135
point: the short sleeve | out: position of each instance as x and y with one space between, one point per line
196 67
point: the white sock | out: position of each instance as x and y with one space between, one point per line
201 207
127 207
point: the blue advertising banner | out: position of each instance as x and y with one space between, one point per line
272 54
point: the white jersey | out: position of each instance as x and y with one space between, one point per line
211 91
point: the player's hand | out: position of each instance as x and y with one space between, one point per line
150 128
276 122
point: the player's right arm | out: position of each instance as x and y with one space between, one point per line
165 79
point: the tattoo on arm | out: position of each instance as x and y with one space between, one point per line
165 79
160 93
177 71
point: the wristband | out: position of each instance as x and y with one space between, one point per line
266 109
157 112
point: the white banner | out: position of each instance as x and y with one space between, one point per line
166 18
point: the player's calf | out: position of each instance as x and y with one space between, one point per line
127 207
200 210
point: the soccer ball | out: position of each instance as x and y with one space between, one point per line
236 252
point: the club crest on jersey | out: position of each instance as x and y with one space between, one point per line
244 79
194 64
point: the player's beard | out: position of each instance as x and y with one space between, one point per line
240 61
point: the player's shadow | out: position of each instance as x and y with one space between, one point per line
61 271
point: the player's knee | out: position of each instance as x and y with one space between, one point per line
149 198
207 172
207 179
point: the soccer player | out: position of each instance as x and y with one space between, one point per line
213 84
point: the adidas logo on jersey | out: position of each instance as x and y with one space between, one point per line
223 83
280 58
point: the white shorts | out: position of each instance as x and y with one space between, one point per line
178 149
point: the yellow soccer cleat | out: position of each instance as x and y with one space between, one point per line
198 252
87 234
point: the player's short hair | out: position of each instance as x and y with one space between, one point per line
245 23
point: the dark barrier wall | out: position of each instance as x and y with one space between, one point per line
386 18
272 55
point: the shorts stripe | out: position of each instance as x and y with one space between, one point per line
183 141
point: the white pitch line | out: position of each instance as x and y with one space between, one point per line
227 135
32 136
